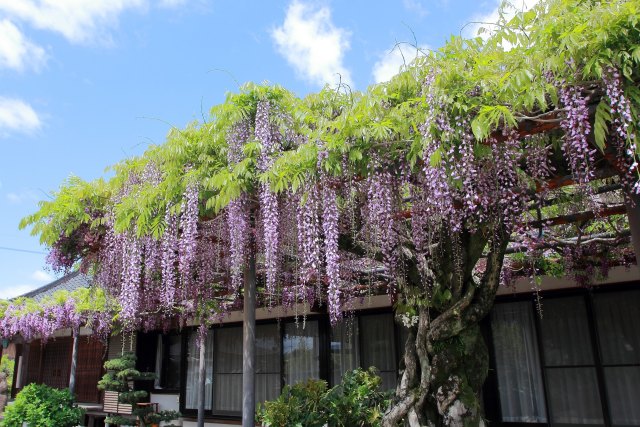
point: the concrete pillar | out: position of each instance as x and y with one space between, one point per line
249 344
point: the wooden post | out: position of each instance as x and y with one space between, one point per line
74 364
633 212
249 344
202 376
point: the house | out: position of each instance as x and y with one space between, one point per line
575 360
50 363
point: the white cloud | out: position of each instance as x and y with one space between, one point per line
79 21
485 20
16 51
42 276
17 116
390 62
416 7
21 197
312 44
16 290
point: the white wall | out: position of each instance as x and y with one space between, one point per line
166 402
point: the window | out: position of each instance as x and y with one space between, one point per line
224 364
287 353
227 361
193 359
618 320
364 341
577 365
227 377
167 363
516 355
267 362
301 352
345 351
572 381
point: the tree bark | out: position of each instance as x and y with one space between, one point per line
74 364
446 359
249 344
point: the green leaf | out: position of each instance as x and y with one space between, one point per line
601 124
435 158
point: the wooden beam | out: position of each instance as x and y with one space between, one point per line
580 216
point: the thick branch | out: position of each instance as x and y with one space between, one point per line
476 303
609 239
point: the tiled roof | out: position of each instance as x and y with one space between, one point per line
69 282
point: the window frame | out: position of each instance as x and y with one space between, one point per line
398 345
151 363
493 408
165 367
324 343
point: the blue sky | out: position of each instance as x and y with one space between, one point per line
86 83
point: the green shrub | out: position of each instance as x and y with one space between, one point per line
301 405
6 365
357 402
42 406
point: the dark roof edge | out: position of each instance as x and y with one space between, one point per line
49 286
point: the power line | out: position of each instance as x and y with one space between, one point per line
22 250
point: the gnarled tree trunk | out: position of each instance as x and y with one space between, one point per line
445 357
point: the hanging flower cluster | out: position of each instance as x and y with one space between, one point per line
237 212
577 128
269 211
330 227
148 275
623 138
41 319
309 238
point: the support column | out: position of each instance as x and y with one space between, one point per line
633 212
74 364
249 344
202 374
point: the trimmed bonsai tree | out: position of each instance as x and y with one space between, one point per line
120 377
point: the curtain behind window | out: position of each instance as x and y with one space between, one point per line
518 366
228 369
193 358
378 346
618 320
574 397
345 354
267 362
301 352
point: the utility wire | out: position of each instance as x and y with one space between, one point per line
22 250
